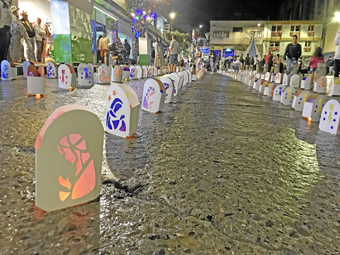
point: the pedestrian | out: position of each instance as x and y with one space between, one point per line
337 55
293 53
39 36
159 53
47 35
270 62
99 59
104 48
31 35
5 29
173 54
236 65
251 61
330 64
241 60
212 61
247 61
317 58
127 48
198 56
277 61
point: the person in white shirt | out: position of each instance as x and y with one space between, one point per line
39 36
236 65
173 54
5 28
104 47
337 55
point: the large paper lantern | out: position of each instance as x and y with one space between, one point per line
67 77
329 121
85 75
300 99
153 96
312 108
287 96
169 89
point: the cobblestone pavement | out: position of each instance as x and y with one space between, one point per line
223 170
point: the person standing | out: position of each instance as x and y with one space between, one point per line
236 65
293 53
31 34
337 55
270 62
198 56
330 64
247 61
127 48
251 62
39 36
212 61
241 59
104 48
173 54
5 29
159 53
317 58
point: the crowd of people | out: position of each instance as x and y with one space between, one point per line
16 33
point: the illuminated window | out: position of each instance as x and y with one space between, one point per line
237 29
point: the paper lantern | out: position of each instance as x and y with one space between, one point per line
306 82
104 74
133 73
288 95
257 84
145 71
52 71
67 77
300 99
175 78
329 121
117 74
169 89
122 110
286 79
139 72
313 107
252 81
334 87
263 76
150 71
258 75
200 74
186 78
153 96
295 81
8 72
155 71
85 75
278 78
320 85
278 92
25 65
35 81
69 153
269 89
267 76
189 75
262 86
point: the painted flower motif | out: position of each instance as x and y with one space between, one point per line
147 104
5 72
113 120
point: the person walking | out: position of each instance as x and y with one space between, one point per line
173 54
317 58
31 34
212 61
293 53
39 36
104 48
242 60
159 53
236 65
198 56
127 48
337 55
247 61
5 29
270 62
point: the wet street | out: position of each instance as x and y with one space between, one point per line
223 170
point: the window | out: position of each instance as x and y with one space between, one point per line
276 28
307 44
274 44
310 28
295 28
237 29
221 34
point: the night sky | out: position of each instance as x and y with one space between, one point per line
195 12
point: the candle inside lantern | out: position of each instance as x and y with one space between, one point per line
37 96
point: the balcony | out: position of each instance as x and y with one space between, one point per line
277 33
274 48
294 33
307 49
311 33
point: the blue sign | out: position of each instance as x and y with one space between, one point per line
228 53
205 51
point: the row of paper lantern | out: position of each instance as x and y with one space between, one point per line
314 106
69 147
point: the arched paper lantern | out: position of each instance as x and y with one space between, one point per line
145 71
25 65
287 96
155 71
334 87
295 81
300 99
200 74
257 84
126 73
286 79
189 74
320 85
175 78
150 71
133 73
153 96
122 110
329 121
306 82
267 76
69 154
269 89
52 71
85 75
139 72
117 74
252 82
312 108
263 86
104 74
181 79
35 81
67 77
246 79
8 72
169 89
278 92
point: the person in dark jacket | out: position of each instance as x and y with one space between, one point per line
247 60
127 47
293 53
270 62
212 61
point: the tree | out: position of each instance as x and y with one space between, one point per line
181 38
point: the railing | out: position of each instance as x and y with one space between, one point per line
274 48
294 33
311 33
277 33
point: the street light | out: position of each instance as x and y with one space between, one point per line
172 16
201 26
337 17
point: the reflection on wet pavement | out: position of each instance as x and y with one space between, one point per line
223 170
